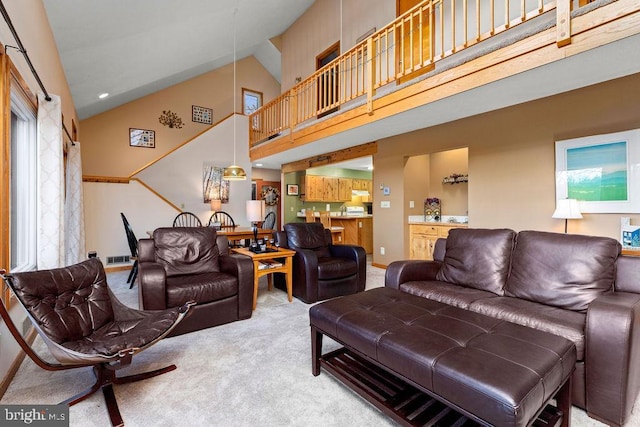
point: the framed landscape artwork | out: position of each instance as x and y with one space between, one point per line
602 172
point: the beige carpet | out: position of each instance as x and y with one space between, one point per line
248 373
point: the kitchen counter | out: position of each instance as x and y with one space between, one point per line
336 215
445 220
358 229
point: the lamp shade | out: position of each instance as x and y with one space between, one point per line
567 209
216 205
234 173
255 210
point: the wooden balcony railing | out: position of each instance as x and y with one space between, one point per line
406 48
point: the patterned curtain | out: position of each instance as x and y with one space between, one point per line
74 207
50 234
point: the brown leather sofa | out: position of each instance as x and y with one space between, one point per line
575 286
181 264
321 270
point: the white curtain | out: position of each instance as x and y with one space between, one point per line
74 207
50 206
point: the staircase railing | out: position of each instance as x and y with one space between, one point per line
406 48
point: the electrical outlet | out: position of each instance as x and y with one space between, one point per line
412 204
291 208
381 250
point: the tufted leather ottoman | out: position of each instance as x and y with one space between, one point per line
493 371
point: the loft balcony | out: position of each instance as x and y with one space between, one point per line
416 71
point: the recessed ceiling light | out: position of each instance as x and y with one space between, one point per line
103 95
370 168
259 165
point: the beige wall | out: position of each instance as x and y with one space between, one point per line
30 21
453 197
417 177
106 150
319 28
511 161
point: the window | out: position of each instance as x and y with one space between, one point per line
23 184
251 101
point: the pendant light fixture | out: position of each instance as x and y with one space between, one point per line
234 172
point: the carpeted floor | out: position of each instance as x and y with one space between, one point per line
247 373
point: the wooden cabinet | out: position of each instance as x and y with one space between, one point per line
331 189
357 231
365 234
312 187
330 192
422 239
345 186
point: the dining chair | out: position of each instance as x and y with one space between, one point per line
84 325
310 216
223 219
337 232
269 221
187 219
132 240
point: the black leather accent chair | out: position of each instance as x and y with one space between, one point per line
321 270
84 325
182 264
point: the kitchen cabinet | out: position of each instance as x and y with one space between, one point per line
330 189
357 231
325 188
313 187
345 186
423 236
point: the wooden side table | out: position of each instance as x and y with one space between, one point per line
286 268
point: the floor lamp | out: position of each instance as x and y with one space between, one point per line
255 214
567 209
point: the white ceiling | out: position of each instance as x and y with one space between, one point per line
131 48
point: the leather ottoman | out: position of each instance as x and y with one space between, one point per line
493 371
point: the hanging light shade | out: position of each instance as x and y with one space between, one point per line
234 172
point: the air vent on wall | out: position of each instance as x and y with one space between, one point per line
119 259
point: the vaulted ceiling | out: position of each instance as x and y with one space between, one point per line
131 48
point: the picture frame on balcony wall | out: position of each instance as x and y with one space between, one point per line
601 171
142 138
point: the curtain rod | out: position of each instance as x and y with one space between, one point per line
22 50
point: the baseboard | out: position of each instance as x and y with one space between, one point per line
118 268
13 370
375 264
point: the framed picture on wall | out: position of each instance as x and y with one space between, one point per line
292 190
600 171
201 114
142 138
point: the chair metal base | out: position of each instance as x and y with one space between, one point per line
105 378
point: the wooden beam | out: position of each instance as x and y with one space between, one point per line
110 179
358 151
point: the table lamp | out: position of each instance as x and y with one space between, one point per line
567 209
255 214
216 205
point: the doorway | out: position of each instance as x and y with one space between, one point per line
270 192
329 81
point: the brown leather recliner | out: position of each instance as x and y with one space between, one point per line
182 264
321 270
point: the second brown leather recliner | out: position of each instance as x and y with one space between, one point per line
182 264
321 270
